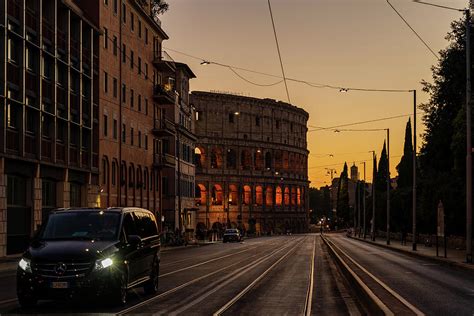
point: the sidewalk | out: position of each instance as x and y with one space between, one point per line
456 258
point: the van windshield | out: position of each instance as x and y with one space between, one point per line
82 225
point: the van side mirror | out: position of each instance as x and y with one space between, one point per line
134 240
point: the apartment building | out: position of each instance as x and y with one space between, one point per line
49 149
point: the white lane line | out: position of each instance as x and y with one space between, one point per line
385 286
309 295
251 285
8 301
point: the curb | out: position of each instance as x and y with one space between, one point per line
443 261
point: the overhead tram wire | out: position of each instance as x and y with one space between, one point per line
413 30
279 53
311 84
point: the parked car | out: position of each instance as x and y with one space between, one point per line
232 235
91 252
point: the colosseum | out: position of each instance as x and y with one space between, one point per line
251 164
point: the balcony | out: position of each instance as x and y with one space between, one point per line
163 161
164 94
164 63
163 127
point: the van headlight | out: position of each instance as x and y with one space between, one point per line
103 263
25 265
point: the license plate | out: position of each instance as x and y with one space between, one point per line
59 285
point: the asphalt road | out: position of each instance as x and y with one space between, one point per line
432 288
283 275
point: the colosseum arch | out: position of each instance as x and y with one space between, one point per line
231 159
268 160
287 196
278 196
199 157
216 194
216 158
298 196
201 194
233 194
269 196
258 195
247 195
293 196
258 160
246 159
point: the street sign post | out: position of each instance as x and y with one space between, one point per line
440 232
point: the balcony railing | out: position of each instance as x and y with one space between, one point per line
60 151
30 145
46 148
163 127
164 63
161 160
164 94
13 140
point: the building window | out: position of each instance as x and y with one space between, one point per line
124 93
106 2
115 45
257 121
132 21
146 71
131 97
131 59
124 133
124 13
106 38
114 172
139 29
198 115
124 53
106 127
277 124
115 128
146 106
139 139
139 103
139 65
115 6
115 87
231 117
106 82
131 136
75 195
146 142
146 35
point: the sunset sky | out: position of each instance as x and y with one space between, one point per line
350 43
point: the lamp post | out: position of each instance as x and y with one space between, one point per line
363 201
372 226
467 13
388 186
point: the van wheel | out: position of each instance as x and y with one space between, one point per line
151 286
119 292
27 301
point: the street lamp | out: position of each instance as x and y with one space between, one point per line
467 12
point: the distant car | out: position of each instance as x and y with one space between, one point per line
232 235
101 252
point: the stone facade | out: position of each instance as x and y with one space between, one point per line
251 161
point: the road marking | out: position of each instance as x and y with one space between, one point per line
385 286
251 285
8 301
145 302
309 295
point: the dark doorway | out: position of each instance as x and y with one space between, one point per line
18 215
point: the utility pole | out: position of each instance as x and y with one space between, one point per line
414 171
363 202
388 186
372 229
358 207
468 140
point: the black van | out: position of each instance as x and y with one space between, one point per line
91 252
